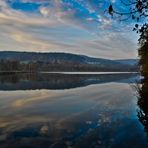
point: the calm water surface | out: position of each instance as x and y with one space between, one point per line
69 111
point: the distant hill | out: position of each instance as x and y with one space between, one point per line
129 61
66 62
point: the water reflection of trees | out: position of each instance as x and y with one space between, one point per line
26 81
143 88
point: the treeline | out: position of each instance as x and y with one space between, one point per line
7 65
35 66
14 65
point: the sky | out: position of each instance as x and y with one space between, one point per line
71 26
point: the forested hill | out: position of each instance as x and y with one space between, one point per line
128 61
26 61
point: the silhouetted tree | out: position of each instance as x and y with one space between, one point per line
143 90
138 11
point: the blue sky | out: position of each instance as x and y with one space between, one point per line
74 26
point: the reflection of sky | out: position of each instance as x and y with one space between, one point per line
105 108
76 26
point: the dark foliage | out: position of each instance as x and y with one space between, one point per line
138 11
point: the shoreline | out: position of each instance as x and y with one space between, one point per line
68 73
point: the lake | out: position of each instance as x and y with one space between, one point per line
59 110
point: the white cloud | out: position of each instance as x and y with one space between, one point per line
115 45
54 28
45 11
113 1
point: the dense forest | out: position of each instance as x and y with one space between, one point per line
35 62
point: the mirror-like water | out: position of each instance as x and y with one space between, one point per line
69 111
